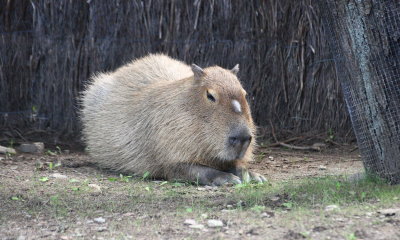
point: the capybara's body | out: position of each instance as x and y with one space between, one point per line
161 116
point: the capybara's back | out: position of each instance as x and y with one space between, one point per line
161 116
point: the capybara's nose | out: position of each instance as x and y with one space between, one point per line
242 139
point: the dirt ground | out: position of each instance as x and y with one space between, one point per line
40 199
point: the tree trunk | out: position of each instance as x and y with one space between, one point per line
365 45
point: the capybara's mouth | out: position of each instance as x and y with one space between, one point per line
230 156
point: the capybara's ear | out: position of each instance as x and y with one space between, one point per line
198 71
235 69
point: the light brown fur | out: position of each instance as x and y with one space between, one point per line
152 115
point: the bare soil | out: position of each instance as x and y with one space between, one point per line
79 201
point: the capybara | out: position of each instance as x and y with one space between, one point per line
174 121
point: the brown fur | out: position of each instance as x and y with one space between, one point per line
153 115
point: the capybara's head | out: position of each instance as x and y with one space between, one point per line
224 110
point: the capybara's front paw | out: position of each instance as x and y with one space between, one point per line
250 176
225 179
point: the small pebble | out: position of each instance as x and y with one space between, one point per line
389 211
101 229
189 222
331 207
267 214
322 167
58 175
96 187
99 220
214 223
197 226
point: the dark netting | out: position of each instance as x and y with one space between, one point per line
365 43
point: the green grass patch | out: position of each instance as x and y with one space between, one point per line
317 192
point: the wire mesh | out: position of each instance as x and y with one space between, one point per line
365 43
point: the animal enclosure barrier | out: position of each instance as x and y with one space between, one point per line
366 47
49 49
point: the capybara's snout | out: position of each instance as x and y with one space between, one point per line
239 140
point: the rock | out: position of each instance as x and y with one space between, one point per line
369 214
58 175
129 214
5 150
293 235
96 187
389 212
214 188
101 229
189 222
322 167
267 214
193 224
37 147
197 226
214 223
339 219
99 220
319 229
319 146
228 210
331 208
21 237
252 231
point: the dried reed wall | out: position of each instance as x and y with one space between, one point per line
49 49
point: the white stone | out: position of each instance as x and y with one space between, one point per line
322 167
267 214
189 222
99 220
331 207
214 223
389 211
96 187
5 150
58 175
197 226
101 229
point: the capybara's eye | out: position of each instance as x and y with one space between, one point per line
210 97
